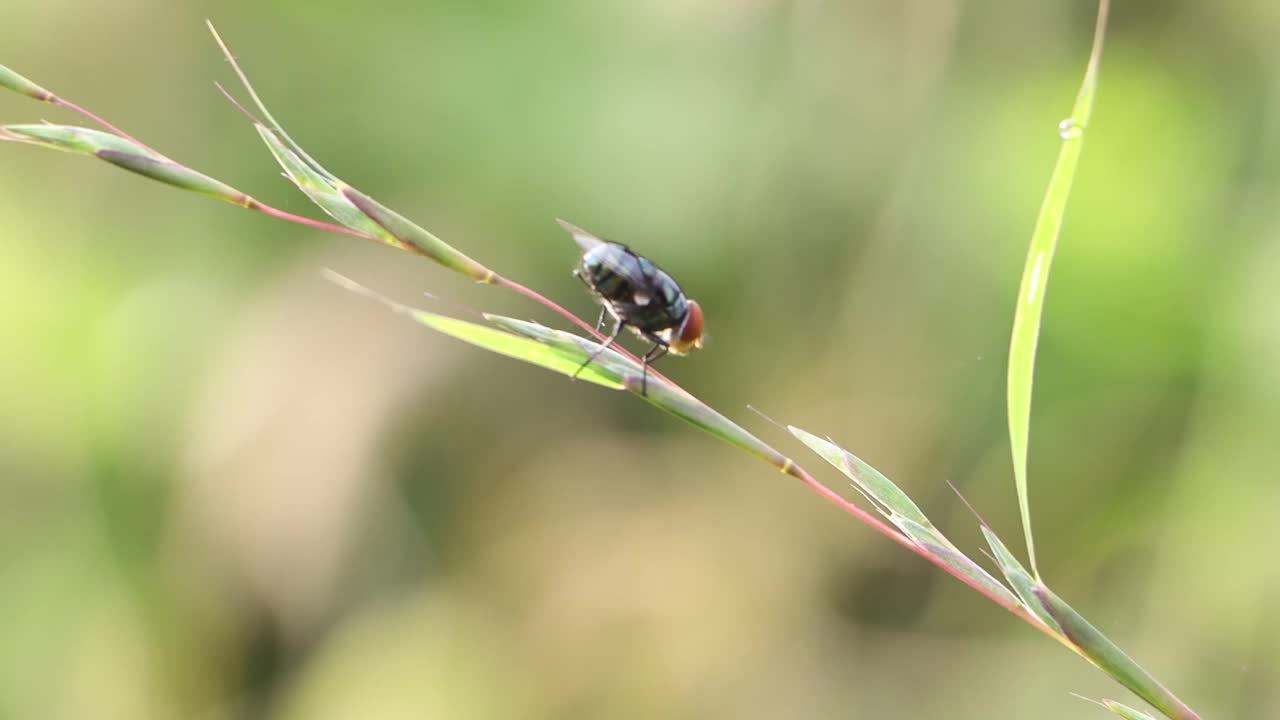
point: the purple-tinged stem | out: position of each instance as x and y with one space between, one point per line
309 222
54 99
883 528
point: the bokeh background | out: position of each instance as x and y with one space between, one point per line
229 489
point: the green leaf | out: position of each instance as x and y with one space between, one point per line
696 413
520 348
1019 579
124 154
872 482
1035 279
73 139
503 343
321 186
321 192
1104 653
171 173
902 511
1125 711
416 237
573 345
565 354
670 398
930 539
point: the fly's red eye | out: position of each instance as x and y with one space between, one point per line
691 334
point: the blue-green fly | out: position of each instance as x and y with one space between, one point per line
639 295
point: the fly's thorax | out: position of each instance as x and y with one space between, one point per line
611 270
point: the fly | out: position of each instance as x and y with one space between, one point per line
639 295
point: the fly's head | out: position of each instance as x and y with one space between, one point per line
690 333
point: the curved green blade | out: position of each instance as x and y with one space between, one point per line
1035 278
882 491
498 341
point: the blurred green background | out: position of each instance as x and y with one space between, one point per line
229 489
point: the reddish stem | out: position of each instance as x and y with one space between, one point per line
811 482
81 111
300 220
883 528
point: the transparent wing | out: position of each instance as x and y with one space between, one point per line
639 274
585 240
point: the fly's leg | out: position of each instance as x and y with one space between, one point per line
654 353
617 330
600 322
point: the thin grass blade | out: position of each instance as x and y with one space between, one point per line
1035 278
517 347
497 341
900 510
323 193
11 80
871 481
319 184
660 394
575 346
406 231
124 154
696 413
1019 579
73 139
1104 653
1125 711
930 539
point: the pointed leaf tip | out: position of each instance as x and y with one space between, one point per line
491 339
1124 711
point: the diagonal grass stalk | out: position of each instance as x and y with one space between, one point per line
898 519
168 171
618 371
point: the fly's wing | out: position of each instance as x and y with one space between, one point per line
586 241
636 272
